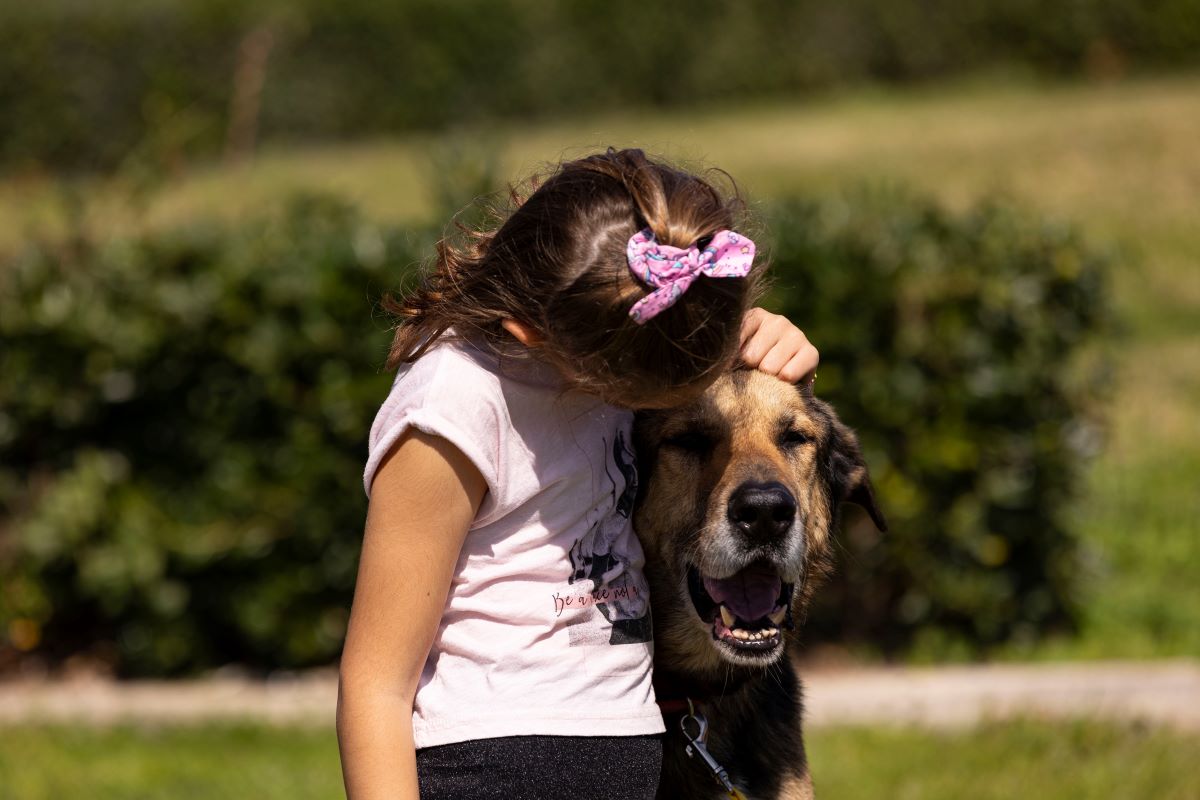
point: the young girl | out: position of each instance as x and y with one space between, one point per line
499 643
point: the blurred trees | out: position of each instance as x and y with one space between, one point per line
88 85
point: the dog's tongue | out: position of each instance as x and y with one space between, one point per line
751 593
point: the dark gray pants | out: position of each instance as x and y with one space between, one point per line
542 768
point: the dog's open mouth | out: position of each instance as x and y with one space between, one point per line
747 610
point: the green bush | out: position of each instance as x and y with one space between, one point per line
90 85
183 421
182 440
962 349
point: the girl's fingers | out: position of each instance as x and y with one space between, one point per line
776 358
771 343
791 359
802 369
751 322
761 332
754 345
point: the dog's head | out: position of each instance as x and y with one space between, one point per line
740 496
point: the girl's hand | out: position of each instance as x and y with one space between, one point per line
771 343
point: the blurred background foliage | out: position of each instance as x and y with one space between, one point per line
91 85
185 416
191 352
960 346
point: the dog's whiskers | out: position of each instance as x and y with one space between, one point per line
776 672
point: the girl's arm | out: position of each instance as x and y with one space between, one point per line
771 343
423 499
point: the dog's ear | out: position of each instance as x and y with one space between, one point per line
851 482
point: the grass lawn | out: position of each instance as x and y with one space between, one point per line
192 763
1043 760
1121 159
1020 759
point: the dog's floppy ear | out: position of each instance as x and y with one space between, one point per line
851 482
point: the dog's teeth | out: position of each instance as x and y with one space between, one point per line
771 632
727 617
741 634
777 616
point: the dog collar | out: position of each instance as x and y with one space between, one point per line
674 692
673 707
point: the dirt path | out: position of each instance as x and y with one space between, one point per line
1157 693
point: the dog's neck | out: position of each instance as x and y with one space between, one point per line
674 690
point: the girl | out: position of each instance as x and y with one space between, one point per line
499 643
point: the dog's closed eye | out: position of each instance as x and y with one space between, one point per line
691 440
793 437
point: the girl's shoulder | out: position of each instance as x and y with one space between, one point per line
453 391
459 370
454 366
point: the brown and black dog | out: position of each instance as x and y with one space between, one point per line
741 492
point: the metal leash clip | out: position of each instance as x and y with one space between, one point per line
695 746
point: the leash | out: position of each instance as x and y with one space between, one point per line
696 747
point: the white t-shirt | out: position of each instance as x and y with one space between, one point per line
546 628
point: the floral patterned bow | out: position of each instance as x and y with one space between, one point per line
671 270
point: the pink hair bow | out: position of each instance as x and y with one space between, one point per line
671 270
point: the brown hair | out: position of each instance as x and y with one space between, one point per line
558 265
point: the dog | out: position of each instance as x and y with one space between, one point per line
742 491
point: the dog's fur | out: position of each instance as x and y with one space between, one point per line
749 436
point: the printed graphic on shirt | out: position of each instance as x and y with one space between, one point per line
608 597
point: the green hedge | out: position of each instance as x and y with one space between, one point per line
183 421
182 439
962 348
88 85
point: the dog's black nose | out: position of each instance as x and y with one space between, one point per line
762 510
